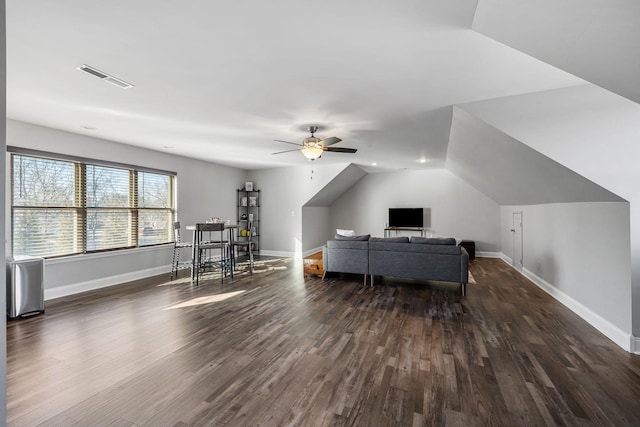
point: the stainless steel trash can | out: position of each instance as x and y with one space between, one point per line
25 286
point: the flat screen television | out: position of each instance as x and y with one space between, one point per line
406 217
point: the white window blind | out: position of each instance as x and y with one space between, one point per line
155 213
46 207
64 207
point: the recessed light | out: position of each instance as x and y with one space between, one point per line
374 164
423 160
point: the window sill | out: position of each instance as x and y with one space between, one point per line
120 252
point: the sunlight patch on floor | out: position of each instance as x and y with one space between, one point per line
205 300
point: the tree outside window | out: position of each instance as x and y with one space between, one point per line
64 207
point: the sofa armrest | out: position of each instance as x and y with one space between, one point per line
347 256
464 266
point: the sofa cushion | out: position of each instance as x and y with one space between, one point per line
433 240
362 237
390 239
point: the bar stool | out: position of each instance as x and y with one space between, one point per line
177 245
245 245
203 246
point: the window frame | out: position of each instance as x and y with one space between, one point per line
81 208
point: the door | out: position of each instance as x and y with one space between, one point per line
516 230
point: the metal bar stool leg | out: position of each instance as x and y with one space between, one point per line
174 263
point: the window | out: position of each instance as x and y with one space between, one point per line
66 207
155 215
46 211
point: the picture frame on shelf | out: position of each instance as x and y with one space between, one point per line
248 186
253 201
250 217
243 201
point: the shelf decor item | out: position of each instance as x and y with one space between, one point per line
253 201
248 186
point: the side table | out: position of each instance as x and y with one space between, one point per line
313 265
470 247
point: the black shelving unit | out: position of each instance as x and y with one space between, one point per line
248 206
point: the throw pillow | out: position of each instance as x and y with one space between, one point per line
363 237
345 232
433 240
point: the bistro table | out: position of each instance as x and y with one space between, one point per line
196 241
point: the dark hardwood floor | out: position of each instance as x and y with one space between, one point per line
277 349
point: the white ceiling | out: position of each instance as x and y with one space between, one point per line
219 80
598 40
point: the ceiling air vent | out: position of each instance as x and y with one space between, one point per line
104 76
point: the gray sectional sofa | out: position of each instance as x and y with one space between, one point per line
418 258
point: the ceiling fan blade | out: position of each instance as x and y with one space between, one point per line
330 141
286 151
287 142
340 149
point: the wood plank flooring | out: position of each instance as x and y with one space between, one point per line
277 349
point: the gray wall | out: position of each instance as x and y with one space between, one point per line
582 251
203 190
457 209
316 226
284 192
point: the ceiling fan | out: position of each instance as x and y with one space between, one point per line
312 147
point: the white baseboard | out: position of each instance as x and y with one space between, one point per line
505 258
312 251
284 254
485 254
611 331
103 282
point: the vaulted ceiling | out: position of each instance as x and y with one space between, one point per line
221 80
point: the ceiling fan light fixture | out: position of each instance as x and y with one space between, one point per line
312 147
312 152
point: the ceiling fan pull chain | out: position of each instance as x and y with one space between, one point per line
312 162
